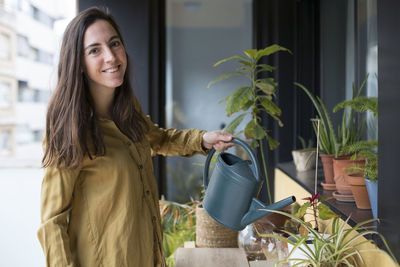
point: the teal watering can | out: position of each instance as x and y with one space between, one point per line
230 196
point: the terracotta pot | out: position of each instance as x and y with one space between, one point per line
339 166
359 189
327 163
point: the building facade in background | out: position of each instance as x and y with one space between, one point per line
29 42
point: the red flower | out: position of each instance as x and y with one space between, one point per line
312 198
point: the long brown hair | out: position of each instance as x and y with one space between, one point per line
71 118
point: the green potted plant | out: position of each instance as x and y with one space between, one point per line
304 158
330 142
314 208
337 245
179 224
359 176
368 151
254 99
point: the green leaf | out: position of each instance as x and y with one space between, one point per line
266 85
327 134
254 144
271 108
238 99
302 210
231 127
325 213
251 53
360 104
269 105
244 68
223 100
230 58
295 208
254 130
272 142
246 63
265 67
247 105
225 76
271 50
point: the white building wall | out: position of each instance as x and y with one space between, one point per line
38 77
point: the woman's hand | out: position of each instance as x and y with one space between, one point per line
217 140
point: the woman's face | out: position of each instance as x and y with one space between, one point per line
104 58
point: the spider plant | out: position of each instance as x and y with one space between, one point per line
341 247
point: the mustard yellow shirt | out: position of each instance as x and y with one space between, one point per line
106 212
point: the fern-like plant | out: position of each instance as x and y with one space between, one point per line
254 99
365 149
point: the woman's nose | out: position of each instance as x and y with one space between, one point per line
109 55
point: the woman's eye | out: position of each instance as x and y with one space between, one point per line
93 51
116 43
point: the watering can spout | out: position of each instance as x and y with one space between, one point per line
258 210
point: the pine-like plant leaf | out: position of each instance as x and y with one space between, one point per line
360 104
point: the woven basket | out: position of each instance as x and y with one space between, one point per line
210 234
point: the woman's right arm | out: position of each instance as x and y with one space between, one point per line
56 199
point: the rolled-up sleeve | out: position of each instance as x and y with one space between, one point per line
56 200
173 142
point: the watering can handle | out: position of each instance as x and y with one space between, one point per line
248 150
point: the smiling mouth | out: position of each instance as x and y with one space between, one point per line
112 70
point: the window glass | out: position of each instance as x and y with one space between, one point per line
368 55
349 53
5 147
22 46
200 33
5 46
5 95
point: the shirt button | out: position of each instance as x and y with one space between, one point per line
154 218
128 143
140 167
148 192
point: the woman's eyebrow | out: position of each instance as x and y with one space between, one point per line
109 40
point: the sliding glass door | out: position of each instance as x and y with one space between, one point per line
198 34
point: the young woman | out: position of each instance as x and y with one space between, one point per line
99 203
